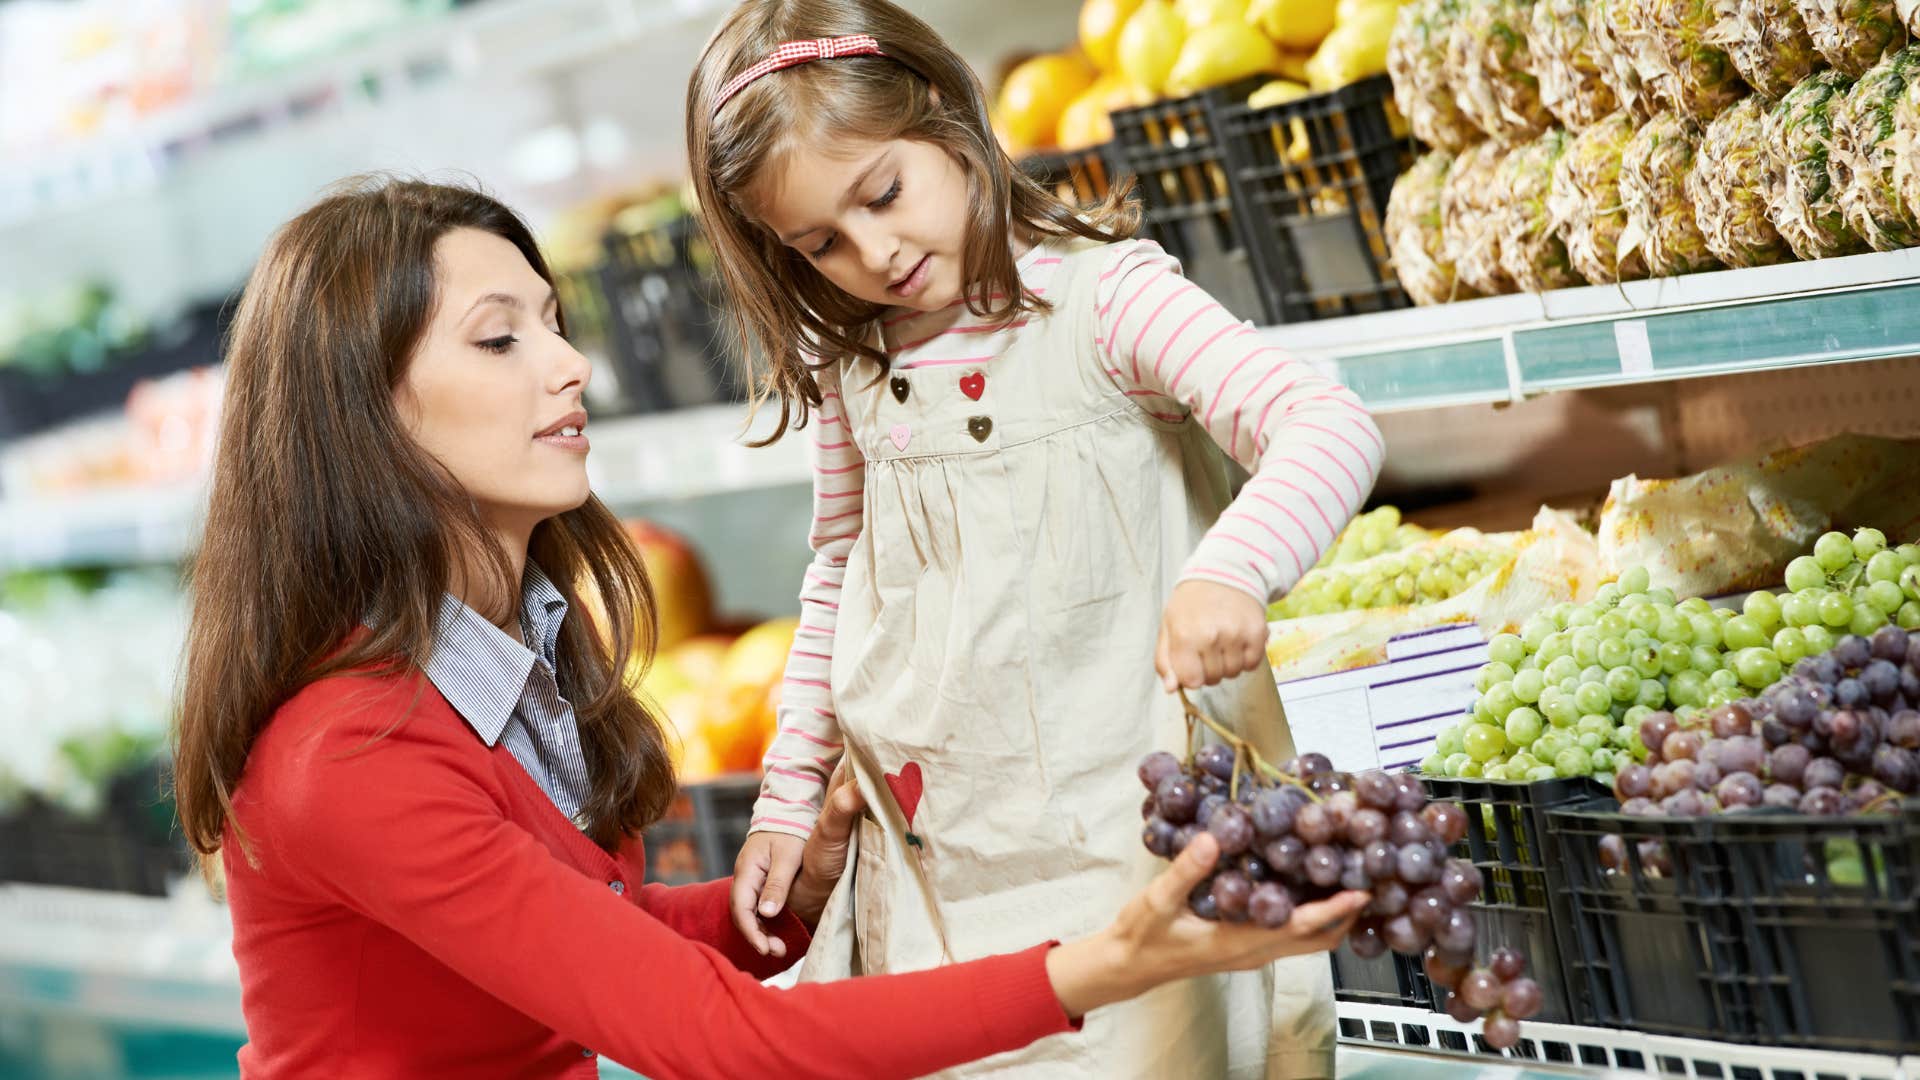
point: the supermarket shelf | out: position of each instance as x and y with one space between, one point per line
164 963
494 40
636 462
1595 1051
1505 348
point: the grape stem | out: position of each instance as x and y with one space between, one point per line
1243 751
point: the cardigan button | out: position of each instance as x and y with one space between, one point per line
584 1052
619 887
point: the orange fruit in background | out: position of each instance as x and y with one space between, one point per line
1150 43
1100 24
1035 95
681 593
1088 121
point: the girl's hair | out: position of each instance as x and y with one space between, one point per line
785 312
325 514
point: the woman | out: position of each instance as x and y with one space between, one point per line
415 756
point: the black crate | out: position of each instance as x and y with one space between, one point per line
1388 979
1174 151
1656 946
665 328
702 831
1309 180
129 845
32 402
1523 903
1078 177
1831 913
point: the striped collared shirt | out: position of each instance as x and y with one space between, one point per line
507 692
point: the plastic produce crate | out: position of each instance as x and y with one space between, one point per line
702 831
1523 902
1079 177
1389 979
1174 151
665 329
1309 181
1655 948
130 845
1831 914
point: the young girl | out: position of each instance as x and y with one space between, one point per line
1019 518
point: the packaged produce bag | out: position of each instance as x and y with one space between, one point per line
1736 526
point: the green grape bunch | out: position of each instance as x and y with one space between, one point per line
1426 573
1375 532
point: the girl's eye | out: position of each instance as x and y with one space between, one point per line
821 251
885 200
498 345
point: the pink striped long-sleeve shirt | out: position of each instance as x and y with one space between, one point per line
1312 450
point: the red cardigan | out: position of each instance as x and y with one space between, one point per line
420 908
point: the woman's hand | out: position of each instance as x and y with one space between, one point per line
1209 633
774 870
1156 940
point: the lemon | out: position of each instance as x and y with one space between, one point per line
1354 50
1293 24
1276 92
1221 53
1035 95
1100 24
1088 121
1349 10
1150 44
1199 13
1295 146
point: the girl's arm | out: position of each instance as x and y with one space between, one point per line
1313 450
804 751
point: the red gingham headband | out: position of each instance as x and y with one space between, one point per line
794 53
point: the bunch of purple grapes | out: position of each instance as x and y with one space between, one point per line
1283 844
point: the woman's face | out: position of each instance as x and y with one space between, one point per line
493 391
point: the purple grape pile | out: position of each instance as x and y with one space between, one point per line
1840 734
1304 832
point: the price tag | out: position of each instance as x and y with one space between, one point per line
1328 714
1636 352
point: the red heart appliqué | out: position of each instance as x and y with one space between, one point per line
973 385
906 788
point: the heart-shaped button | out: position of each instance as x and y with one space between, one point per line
973 384
900 388
901 435
906 788
980 427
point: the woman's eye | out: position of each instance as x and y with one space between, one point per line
498 345
883 201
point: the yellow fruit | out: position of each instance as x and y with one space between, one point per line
1354 50
1088 121
1199 13
1100 24
1276 92
1349 10
1293 65
1295 147
1034 96
1221 53
1293 24
1150 44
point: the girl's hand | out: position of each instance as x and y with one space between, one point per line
1155 939
1209 633
774 870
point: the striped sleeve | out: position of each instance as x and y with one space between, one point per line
808 743
1313 450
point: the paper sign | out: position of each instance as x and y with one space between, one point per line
1328 715
1636 352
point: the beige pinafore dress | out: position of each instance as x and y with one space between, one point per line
993 674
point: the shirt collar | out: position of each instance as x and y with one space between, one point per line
481 670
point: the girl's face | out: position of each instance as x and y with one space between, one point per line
493 391
885 222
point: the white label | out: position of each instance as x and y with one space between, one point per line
1636 352
1328 715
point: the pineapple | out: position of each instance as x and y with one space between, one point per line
1585 201
1620 37
1728 185
1413 232
1417 61
1568 62
1490 67
1769 45
1689 73
1660 220
1531 251
1469 220
1864 149
1906 157
1801 197
1853 34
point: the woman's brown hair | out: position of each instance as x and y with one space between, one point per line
786 313
325 516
